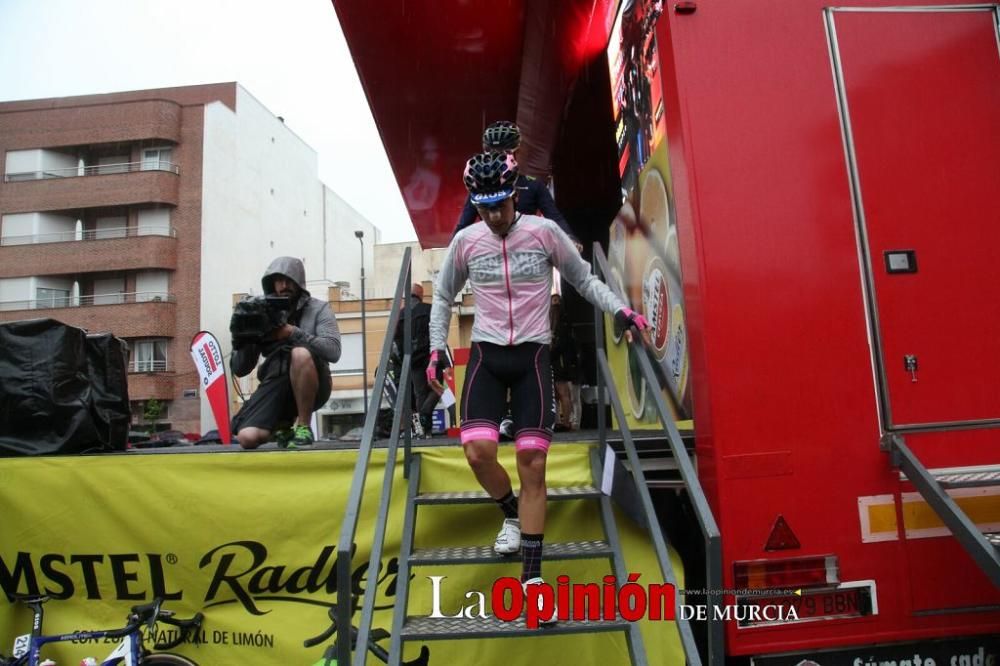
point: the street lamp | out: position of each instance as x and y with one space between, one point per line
360 235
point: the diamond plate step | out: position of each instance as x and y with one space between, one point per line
429 629
993 538
480 496
570 550
966 477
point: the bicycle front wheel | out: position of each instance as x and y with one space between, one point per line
167 659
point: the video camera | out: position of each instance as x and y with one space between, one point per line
255 317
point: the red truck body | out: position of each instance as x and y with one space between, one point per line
835 174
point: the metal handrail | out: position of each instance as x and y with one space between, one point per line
709 527
93 170
90 234
349 527
123 298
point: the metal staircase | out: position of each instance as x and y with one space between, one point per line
410 628
353 644
933 487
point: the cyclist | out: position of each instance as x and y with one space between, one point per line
533 197
508 258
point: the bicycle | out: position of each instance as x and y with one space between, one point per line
131 651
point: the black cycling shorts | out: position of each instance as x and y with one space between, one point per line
522 369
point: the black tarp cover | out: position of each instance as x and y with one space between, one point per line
59 393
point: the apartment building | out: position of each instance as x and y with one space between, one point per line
141 213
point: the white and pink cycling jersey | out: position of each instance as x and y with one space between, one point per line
511 279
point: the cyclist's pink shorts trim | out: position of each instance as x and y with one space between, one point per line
532 442
488 433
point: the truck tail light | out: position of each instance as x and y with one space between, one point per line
787 573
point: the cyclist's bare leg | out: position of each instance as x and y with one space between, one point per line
565 399
482 457
531 498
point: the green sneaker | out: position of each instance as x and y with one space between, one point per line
283 436
303 437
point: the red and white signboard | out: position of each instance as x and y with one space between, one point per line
207 356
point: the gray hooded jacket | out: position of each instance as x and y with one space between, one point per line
315 326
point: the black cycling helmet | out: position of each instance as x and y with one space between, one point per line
502 136
490 177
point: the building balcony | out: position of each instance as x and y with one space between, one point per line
68 123
89 252
131 315
126 183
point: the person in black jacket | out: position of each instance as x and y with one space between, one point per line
532 195
425 399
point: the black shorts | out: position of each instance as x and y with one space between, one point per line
523 370
272 405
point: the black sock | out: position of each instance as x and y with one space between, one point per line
531 554
508 504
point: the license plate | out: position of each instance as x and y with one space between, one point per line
844 601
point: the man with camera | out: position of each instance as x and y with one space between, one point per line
298 337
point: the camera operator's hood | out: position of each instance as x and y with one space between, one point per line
290 267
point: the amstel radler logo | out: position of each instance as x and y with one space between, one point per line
237 572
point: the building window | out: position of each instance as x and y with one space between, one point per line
149 355
51 298
350 355
156 159
109 291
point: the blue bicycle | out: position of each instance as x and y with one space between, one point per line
130 651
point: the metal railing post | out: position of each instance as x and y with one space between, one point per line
407 353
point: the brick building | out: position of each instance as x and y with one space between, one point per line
141 213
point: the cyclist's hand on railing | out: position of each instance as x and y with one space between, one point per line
628 320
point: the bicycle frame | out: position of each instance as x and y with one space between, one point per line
129 649
129 652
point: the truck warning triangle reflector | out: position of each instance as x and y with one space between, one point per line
782 537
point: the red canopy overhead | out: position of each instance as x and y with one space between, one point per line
437 73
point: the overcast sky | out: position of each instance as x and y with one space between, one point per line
289 54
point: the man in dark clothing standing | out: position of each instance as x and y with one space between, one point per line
295 374
424 398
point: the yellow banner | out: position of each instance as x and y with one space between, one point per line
249 540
